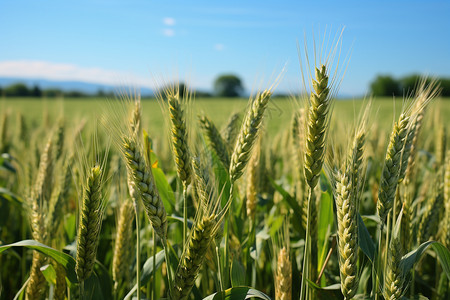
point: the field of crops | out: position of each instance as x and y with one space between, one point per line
269 198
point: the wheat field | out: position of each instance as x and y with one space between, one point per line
183 198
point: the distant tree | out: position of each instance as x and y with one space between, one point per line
410 83
17 90
52 93
385 85
101 93
74 94
445 86
202 94
36 91
228 85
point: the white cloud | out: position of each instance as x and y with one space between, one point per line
64 71
219 47
169 21
169 32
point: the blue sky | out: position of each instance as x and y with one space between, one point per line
140 42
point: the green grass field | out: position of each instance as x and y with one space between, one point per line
218 109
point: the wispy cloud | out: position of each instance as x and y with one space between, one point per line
64 71
169 21
219 47
169 32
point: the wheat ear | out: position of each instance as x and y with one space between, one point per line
141 176
42 188
391 168
179 137
201 180
317 125
424 94
441 144
4 132
394 279
429 223
347 219
57 201
248 134
446 232
36 284
90 224
61 285
283 285
252 184
216 141
192 260
124 238
59 139
229 132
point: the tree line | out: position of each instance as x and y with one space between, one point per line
227 85
230 85
22 90
388 86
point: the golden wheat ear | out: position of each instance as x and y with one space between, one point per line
283 263
123 253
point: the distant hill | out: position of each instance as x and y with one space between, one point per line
85 87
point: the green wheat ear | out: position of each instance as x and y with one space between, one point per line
215 140
141 176
317 125
90 224
204 233
392 167
179 136
247 135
